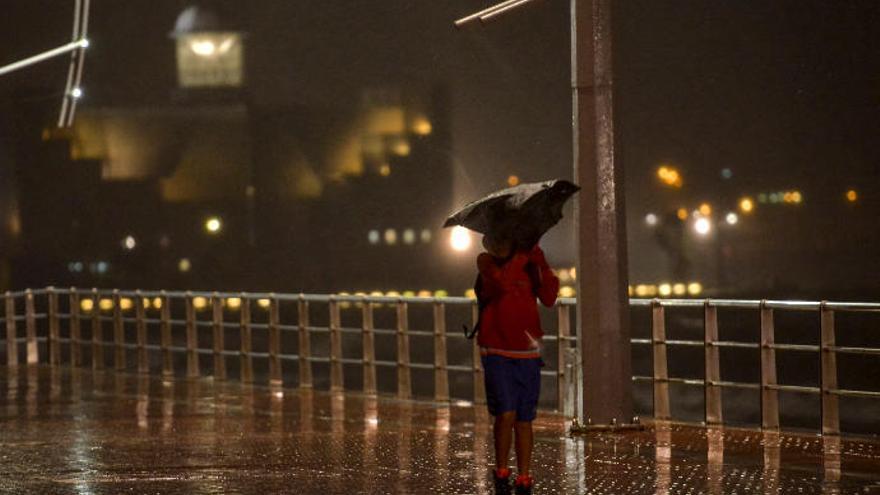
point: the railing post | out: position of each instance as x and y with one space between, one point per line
54 328
404 381
75 330
661 370
141 330
219 337
118 333
712 362
97 332
476 362
247 361
828 363
165 336
275 373
769 395
33 351
305 353
441 372
369 352
337 383
11 337
192 339
562 345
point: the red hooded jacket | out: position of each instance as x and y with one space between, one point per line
509 323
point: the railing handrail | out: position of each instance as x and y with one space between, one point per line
116 308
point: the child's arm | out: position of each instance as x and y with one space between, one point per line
549 287
496 280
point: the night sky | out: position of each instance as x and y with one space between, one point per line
786 93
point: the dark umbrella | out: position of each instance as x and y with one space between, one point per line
521 213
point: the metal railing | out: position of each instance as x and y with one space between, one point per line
767 347
144 314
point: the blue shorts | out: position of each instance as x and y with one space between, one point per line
512 385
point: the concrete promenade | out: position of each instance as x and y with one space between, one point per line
68 431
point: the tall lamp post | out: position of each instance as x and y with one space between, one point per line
603 305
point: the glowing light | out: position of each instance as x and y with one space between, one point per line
426 236
87 305
199 302
651 219
665 290
76 93
470 294
726 173
265 303
385 170
512 180
146 303
441 293
105 304
705 209
460 239
425 293
679 289
84 43
566 291
409 236
184 265
129 243
391 237
746 205
703 226
641 290
669 176
797 197
233 303
203 48
731 218
374 237
573 273
392 293
422 126
682 214
157 302
695 288
563 275
852 196
125 304
409 293
213 225
401 147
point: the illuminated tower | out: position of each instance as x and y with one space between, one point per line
210 52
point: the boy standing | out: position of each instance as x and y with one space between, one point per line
510 344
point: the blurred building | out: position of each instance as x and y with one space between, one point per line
212 190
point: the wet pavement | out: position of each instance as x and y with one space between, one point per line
77 432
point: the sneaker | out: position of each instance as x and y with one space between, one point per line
524 485
502 481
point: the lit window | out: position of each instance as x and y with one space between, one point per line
105 304
264 303
679 289
86 305
233 303
125 304
391 237
199 302
695 288
409 236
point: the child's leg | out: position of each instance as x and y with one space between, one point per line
503 430
524 442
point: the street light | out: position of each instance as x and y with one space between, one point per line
703 226
746 205
213 225
460 240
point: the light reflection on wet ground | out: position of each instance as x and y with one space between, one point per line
78 432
